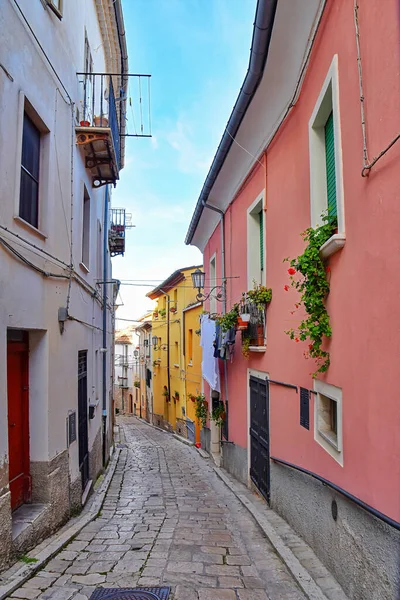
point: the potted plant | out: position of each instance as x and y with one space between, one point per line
245 346
155 314
100 121
176 396
229 319
165 394
173 309
260 296
218 415
162 312
201 409
84 123
156 363
136 384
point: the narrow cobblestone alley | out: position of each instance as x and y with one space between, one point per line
167 520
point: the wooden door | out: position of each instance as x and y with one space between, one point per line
259 435
83 437
18 417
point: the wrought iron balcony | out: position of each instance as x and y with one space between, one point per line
256 328
98 130
120 221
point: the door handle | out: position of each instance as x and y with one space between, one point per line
12 424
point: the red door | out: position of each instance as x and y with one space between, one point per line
18 419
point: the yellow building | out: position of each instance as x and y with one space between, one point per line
176 356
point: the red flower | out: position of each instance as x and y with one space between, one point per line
310 346
291 271
286 288
328 269
296 339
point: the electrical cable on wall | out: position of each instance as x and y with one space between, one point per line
367 165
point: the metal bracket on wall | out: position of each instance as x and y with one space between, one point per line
288 385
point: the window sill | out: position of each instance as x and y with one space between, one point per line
331 439
84 267
257 348
334 244
20 221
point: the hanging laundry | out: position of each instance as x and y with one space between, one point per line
209 366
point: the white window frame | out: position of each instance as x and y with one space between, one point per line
56 7
25 106
328 101
213 282
253 242
335 449
86 251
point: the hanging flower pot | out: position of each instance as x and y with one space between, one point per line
173 310
241 324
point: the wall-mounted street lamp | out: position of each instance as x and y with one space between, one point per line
198 280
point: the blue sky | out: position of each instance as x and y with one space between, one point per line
197 52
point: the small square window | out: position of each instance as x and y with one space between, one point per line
328 419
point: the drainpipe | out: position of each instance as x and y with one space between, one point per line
168 352
105 274
222 221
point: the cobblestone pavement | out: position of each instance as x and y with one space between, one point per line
167 520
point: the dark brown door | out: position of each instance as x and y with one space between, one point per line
259 435
83 418
18 416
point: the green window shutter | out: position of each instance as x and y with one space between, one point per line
330 167
261 217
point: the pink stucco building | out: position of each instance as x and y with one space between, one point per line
324 451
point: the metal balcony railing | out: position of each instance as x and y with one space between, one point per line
99 126
256 328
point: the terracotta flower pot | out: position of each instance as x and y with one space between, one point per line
242 324
259 340
84 124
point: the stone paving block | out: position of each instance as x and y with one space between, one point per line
78 568
116 548
61 581
185 567
253 582
57 566
211 559
252 595
41 583
131 566
230 582
75 545
207 594
92 579
95 547
238 560
249 571
102 566
148 582
25 592
222 570
58 593
68 555
185 593
213 549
